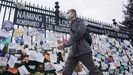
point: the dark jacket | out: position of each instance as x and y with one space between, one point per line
78 43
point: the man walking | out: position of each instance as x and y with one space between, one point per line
79 47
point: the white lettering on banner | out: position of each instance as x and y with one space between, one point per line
111 33
28 23
50 20
51 24
96 30
29 16
108 32
64 23
42 26
62 29
49 27
31 19
120 34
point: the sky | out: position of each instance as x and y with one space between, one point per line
102 10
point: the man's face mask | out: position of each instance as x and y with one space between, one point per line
69 15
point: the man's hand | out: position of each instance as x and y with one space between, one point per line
60 46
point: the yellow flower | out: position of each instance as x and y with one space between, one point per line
18 32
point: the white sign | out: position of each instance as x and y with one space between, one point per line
12 61
23 70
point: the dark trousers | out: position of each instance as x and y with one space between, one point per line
86 60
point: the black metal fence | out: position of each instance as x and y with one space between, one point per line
29 15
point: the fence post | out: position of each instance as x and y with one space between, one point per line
57 13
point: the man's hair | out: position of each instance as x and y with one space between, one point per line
74 11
